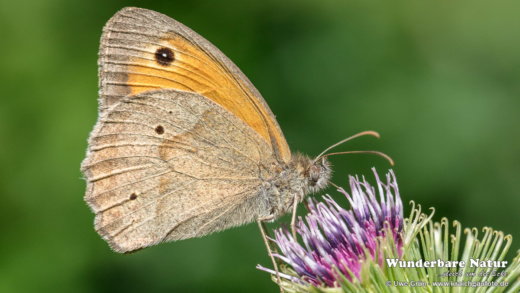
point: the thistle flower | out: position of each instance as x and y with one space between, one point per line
371 247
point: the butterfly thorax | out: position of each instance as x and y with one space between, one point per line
302 176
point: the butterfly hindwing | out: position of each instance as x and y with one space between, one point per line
167 165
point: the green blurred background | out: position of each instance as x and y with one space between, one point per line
439 81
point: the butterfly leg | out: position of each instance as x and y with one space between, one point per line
306 205
293 219
260 222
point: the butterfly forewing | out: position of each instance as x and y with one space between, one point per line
143 50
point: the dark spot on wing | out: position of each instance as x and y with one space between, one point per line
159 129
164 56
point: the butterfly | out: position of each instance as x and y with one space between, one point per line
184 145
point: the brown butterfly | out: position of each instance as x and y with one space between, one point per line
185 145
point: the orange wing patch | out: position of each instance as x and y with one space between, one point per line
176 63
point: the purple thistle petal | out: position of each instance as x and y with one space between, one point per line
285 276
335 240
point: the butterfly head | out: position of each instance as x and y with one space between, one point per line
313 174
317 175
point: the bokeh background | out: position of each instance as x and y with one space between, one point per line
440 80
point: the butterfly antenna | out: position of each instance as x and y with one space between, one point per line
363 152
373 133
